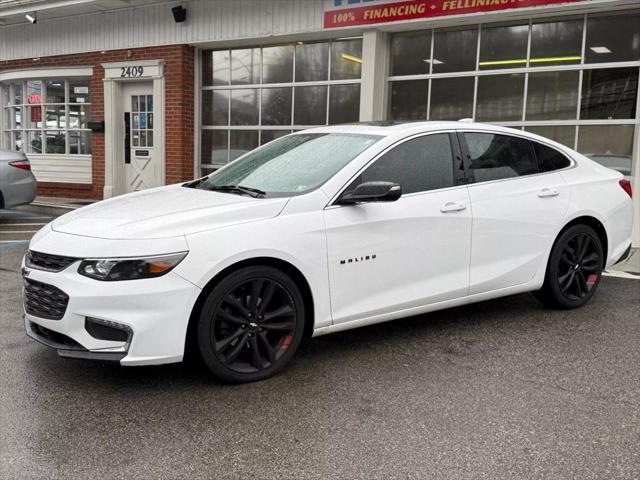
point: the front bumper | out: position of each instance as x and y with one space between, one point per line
65 346
156 312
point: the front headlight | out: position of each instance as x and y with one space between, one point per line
114 269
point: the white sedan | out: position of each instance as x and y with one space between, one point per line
320 231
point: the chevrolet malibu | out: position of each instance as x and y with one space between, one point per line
319 231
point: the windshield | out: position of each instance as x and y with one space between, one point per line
292 164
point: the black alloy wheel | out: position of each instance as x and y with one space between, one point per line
251 324
574 270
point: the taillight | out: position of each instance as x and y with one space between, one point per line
21 164
626 186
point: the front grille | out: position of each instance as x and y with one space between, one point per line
44 301
45 261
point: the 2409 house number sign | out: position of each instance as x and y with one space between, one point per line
132 72
136 69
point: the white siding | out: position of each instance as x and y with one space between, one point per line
61 168
207 21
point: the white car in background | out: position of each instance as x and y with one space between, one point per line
324 230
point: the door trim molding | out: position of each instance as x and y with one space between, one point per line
114 169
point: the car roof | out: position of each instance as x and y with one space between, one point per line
392 128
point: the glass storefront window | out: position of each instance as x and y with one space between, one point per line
78 91
605 139
276 106
17 115
312 62
552 95
344 103
55 91
408 100
34 141
55 142
244 106
215 107
34 91
267 136
216 67
556 43
311 105
410 53
609 93
17 137
564 134
455 50
451 98
500 98
503 47
53 119
346 59
214 147
78 116
17 94
283 95
241 142
245 66
56 116
613 38
277 64
609 145
80 142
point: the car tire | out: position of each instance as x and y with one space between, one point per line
251 324
574 269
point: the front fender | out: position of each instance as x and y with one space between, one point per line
299 240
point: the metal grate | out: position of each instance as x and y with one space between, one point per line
45 261
44 301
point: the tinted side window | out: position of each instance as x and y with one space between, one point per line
499 156
549 158
420 164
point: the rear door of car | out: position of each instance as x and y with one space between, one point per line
517 207
386 257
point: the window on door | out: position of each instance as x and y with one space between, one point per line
494 157
418 165
142 120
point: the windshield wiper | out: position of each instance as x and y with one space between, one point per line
253 192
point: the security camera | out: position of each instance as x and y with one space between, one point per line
31 17
179 14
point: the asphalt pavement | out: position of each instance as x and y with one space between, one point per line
18 226
500 389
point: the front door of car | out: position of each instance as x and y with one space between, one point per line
391 256
516 209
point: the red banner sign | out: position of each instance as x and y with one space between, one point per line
412 9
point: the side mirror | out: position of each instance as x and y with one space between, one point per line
372 192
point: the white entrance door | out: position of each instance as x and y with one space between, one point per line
142 165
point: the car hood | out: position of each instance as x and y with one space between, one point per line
166 212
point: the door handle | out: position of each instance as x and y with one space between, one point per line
548 192
452 207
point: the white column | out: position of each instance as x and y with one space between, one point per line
109 139
375 65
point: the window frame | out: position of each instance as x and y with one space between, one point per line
26 130
457 156
260 86
469 174
526 68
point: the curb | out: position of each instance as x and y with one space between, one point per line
47 208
